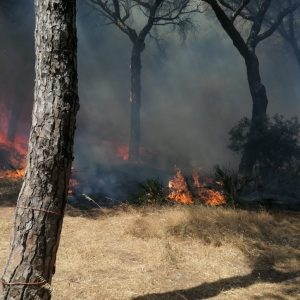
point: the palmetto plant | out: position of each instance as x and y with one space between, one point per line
150 192
231 182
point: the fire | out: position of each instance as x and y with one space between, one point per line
207 195
12 153
213 198
13 174
122 152
182 193
73 184
179 190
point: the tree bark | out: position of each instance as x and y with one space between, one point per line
135 102
42 199
259 114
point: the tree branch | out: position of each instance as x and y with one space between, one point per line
277 22
229 28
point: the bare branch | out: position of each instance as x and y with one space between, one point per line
275 24
229 27
156 12
258 13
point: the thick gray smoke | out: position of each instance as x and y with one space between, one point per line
192 95
16 63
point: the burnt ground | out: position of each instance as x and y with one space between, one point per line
111 187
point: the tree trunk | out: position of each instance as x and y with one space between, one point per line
42 200
259 115
14 114
12 125
296 50
135 102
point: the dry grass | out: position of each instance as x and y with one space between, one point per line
175 253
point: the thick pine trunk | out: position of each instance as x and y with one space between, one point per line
42 200
135 102
259 115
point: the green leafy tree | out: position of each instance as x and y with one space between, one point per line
277 145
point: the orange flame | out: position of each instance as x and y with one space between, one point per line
179 190
15 151
12 174
182 193
208 196
73 183
122 152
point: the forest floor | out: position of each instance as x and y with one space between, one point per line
173 253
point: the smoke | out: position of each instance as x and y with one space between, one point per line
16 64
193 93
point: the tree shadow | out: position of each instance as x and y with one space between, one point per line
269 257
212 289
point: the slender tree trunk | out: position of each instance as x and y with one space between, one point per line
296 50
135 102
13 118
259 115
41 203
18 94
14 115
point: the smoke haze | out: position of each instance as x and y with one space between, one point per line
193 93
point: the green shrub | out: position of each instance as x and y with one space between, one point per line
150 192
278 144
231 182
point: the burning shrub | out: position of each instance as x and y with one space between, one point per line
278 144
150 192
194 191
179 190
207 191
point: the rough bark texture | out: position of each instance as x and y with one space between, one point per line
36 229
259 114
135 101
